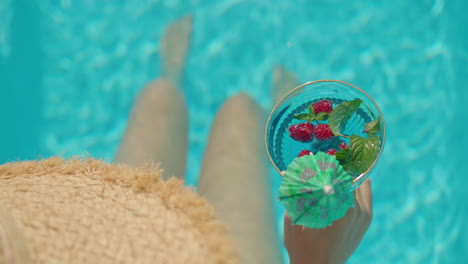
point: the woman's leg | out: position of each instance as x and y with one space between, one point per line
157 128
235 180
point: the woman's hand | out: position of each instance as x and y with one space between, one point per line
333 244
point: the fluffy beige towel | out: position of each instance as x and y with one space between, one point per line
88 211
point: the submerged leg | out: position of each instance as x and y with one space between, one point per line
157 128
235 180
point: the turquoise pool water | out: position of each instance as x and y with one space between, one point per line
70 70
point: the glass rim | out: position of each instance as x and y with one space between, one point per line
358 178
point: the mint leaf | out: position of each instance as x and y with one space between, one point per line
363 152
311 110
311 113
342 155
344 159
307 117
303 116
340 115
322 116
372 128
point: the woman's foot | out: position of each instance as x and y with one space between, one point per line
283 82
174 48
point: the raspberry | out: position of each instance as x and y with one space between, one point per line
323 106
322 132
331 152
304 152
343 145
303 132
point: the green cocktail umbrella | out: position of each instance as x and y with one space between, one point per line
316 190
